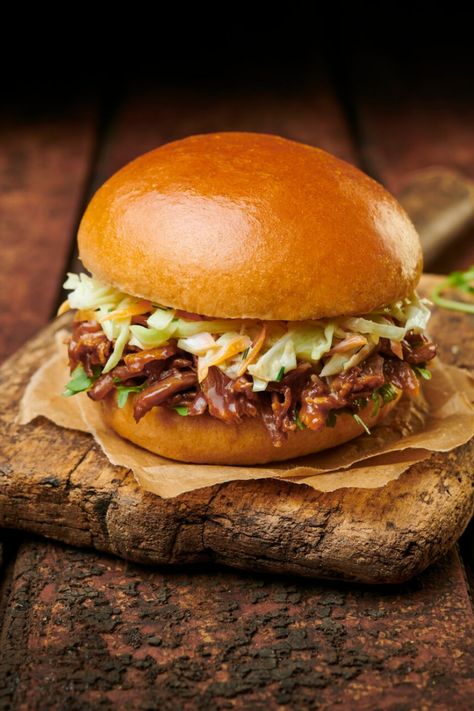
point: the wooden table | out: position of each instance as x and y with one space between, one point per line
84 630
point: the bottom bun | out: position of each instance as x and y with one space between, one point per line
203 439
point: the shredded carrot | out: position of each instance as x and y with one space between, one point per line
85 315
254 351
230 350
396 348
224 352
348 344
63 308
141 307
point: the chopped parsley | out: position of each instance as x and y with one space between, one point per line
245 353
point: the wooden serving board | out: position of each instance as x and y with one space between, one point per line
57 483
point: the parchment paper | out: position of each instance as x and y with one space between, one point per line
438 421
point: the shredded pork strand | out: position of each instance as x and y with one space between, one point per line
167 376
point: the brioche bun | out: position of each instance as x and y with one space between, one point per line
246 225
204 439
238 225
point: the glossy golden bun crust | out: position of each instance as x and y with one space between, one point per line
204 439
250 225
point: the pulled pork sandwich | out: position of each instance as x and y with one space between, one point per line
252 299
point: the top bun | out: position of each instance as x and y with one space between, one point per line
239 225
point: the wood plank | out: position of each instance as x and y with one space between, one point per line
45 160
84 630
44 166
55 482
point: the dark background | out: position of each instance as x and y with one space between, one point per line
427 50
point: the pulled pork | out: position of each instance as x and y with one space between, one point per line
167 376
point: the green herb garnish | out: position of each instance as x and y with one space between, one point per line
463 282
422 372
359 403
245 353
280 375
299 424
376 397
123 391
387 393
181 410
80 381
382 396
331 418
361 422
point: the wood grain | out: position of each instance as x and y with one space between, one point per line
44 167
109 634
45 159
57 483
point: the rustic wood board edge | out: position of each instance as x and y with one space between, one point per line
57 483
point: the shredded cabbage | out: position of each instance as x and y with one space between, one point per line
161 319
89 293
120 343
190 328
343 361
335 364
382 327
199 344
226 342
417 315
259 385
231 367
413 312
281 355
150 337
310 341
